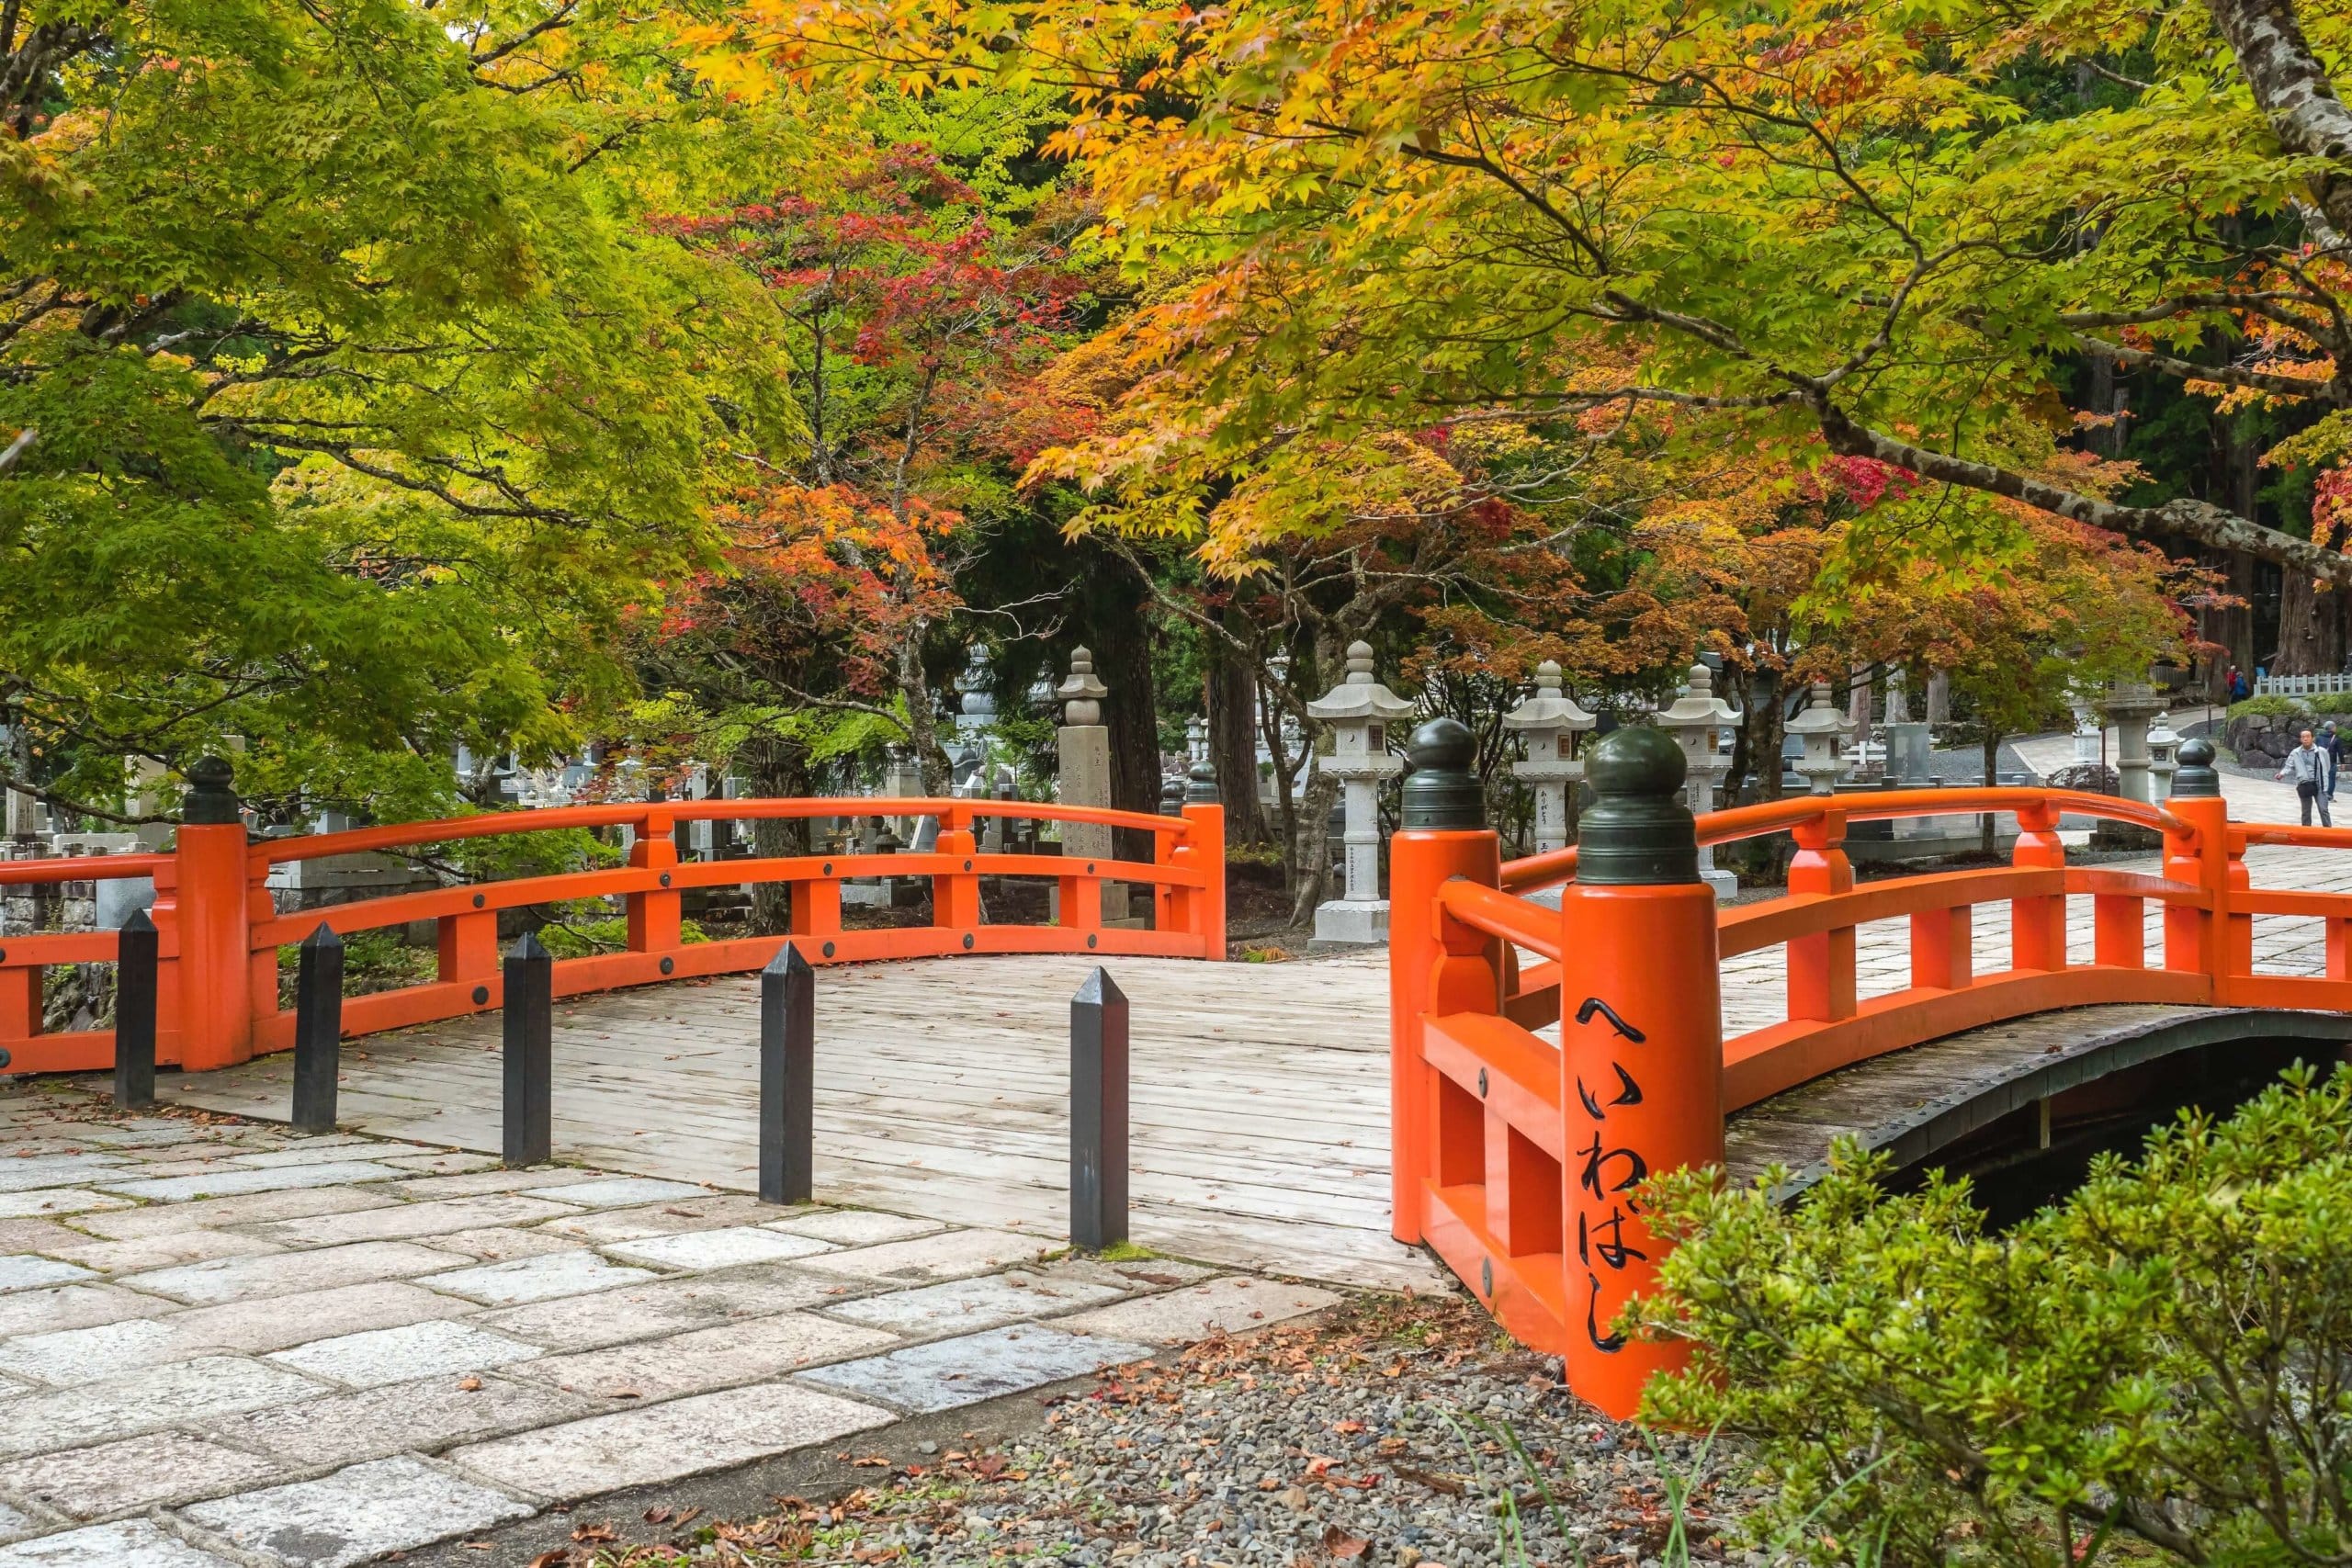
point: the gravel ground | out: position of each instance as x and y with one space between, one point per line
1395 1432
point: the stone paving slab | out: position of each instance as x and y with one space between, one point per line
394 1505
15 1524
706 1211
750 1351
137 1472
133 1543
284 1273
49 1201
665 1442
405 1221
696 1251
73 1306
1233 1305
670 1307
621 1191
442 1348
155 1251
23 1272
83 1354
962 1305
162 1219
854 1227
475 1184
539 1279
59 1170
953 1254
403 1417
232 1183
946 1373
142 1401
499 1245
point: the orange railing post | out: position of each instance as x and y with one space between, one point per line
1202 850
1443 836
1821 968
2215 941
1640 1026
955 898
207 919
2038 924
653 915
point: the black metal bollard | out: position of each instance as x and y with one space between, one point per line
1098 1115
137 949
528 1133
787 1078
318 1031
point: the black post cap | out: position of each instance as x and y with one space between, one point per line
527 948
1442 792
1639 831
321 939
1200 787
787 961
210 802
2195 777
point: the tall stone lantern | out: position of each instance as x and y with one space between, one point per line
1697 720
1358 710
1824 731
1554 725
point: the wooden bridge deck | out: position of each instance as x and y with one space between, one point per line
1260 1107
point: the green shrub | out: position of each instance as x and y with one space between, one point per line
2269 707
2163 1362
574 937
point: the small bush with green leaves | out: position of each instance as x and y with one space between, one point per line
2161 1364
2269 707
577 935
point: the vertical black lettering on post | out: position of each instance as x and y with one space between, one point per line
1606 1172
528 1133
1098 1115
137 950
787 1078
318 1031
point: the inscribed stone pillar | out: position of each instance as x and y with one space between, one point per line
1551 723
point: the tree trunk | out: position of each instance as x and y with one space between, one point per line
1756 752
1122 650
1310 848
2311 629
777 771
1986 841
1232 686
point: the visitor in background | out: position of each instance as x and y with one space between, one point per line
2234 684
2307 765
2333 744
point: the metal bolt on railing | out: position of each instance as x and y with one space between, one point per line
527 1136
318 1031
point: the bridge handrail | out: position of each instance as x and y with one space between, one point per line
1733 824
79 868
668 813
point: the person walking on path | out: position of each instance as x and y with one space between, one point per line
2308 766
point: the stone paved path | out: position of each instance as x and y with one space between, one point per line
221 1344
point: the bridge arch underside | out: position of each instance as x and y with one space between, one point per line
2020 1105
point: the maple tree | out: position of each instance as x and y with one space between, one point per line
1864 225
345 405
916 310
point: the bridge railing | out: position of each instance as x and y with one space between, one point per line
219 932
1517 1158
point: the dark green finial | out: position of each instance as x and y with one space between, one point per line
209 801
1200 788
1442 792
2195 776
1639 831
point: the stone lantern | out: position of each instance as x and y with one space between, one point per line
1824 730
2163 758
2130 704
1697 720
1197 741
1552 724
1358 710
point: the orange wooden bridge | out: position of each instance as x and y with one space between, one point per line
1518 1158
220 933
